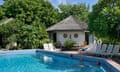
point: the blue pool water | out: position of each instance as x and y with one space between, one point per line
44 63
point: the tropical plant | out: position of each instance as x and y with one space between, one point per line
68 44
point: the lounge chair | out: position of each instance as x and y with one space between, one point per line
102 50
46 47
91 49
109 49
49 46
115 50
97 49
106 50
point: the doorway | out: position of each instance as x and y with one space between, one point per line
87 37
54 37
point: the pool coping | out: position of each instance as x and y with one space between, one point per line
107 62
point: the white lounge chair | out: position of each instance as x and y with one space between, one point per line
103 49
115 50
46 47
96 49
108 50
91 49
97 46
100 49
49 47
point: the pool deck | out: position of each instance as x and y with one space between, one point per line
112 62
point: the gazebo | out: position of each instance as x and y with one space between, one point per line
69 28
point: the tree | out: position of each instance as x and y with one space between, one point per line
33 35
1 13
104 18
81 11
9 31
31 19
28 11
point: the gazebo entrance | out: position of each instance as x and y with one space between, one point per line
54 37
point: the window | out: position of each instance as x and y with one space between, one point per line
76 35
65 35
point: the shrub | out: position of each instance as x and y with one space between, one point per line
68 44
106 40
112 41
117 42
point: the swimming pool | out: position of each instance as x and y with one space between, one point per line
43 61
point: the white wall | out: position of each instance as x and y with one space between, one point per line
91 38
79 40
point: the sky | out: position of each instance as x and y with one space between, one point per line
1 2
55 3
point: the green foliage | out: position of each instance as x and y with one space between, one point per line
106 40
80 11
68 44
104 18
44 41
47 41
8 32
117 43
30 21
32 35
28 11
2 13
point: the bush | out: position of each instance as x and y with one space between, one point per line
106 40
112 41
68 44
117 42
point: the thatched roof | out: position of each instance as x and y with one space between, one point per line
70 23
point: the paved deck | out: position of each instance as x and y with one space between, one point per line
115 64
